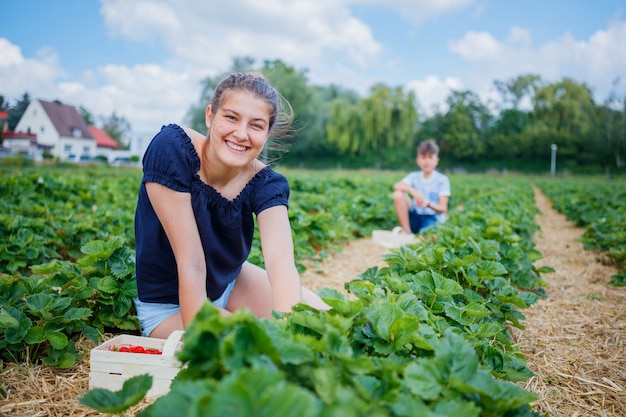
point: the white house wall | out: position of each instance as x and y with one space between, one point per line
35 120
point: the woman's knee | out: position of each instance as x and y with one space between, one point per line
253 291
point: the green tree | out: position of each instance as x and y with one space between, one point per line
611 129
16 112
383 123
564 112
506 138
118 128
516 90
464 127
87 116
293 87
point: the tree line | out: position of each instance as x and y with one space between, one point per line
335 126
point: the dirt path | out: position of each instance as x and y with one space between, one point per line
575 340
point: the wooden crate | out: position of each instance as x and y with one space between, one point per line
109 369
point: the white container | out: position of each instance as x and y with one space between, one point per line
109 368
393 239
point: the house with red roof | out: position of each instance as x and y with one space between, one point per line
106 145
60 128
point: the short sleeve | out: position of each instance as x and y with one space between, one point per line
445 187
272 191
171 159
412 179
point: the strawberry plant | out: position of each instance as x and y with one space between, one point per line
44 314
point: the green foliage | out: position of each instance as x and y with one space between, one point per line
43 315
427 335
387 119
133 390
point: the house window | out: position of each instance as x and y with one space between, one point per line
42 129
67 148
86 149
76 132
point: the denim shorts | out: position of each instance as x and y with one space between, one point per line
150 315
421 222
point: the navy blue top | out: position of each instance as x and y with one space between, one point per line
226 227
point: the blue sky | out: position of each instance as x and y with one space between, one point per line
144 59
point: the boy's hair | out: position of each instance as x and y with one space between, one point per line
428 147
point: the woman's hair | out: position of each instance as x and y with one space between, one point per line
281 113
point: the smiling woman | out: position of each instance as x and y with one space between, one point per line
194 222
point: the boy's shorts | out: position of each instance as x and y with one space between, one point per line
150 315
421 222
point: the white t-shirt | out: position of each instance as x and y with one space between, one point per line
437 185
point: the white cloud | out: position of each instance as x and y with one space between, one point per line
519 36
31 75
307 34
432 93
418 11
596 61
146 95
139 20
477 46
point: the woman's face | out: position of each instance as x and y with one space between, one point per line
239 128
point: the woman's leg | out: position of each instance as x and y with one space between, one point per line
167 326
253 291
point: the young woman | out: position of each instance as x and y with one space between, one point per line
194 221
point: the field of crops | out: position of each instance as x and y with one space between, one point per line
429 332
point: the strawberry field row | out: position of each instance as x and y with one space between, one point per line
428 334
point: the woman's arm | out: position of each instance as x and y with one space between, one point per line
277 247
176 215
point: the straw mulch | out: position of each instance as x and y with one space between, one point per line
574 340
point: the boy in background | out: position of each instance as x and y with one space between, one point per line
421 198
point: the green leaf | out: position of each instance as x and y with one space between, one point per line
91 333
58 340
38 303
7 320
424 379
326 382
35 335
457 357
66 360
445 286
457 407
383 315
106 401
108 285
74 314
